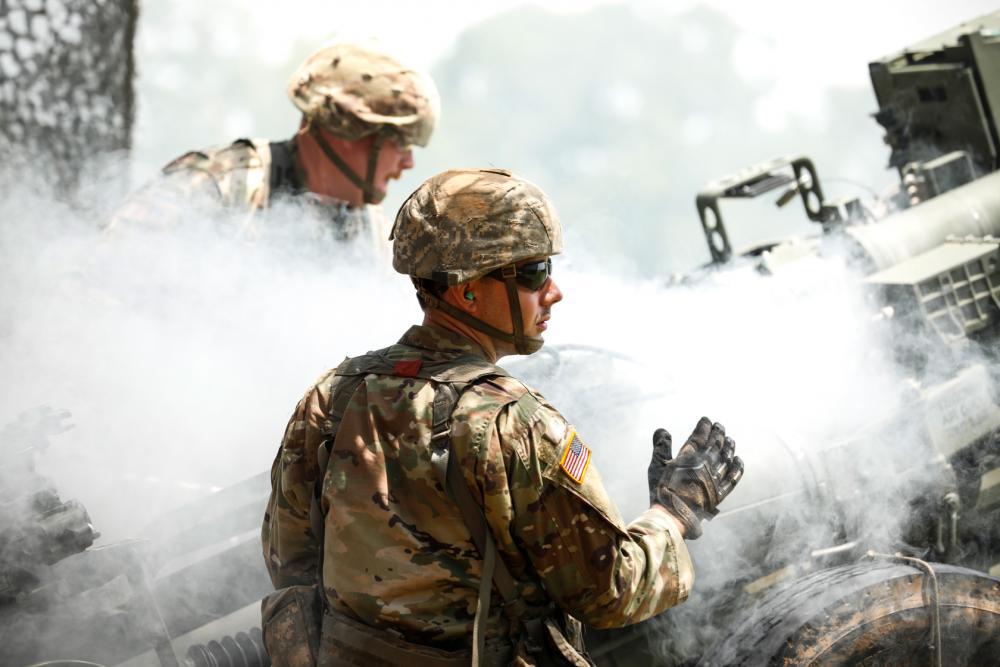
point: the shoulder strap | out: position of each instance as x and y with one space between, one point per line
285 176
341 397
449 474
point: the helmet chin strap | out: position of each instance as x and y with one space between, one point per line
522 344
369 194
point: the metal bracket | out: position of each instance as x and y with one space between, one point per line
750 183
931 599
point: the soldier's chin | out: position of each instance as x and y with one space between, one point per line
533 344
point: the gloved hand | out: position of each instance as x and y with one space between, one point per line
662 453
704 472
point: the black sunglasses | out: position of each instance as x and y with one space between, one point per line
530 276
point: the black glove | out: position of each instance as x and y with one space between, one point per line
662 448
692 485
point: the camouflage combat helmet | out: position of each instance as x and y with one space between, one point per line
354 91
464 224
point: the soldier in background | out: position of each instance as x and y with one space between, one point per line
427 508
362 112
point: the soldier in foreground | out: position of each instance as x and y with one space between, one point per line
428 508
362 112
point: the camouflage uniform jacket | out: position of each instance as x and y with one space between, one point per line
397 554
241 179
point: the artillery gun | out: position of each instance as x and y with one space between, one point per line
815 581
57 596
153 601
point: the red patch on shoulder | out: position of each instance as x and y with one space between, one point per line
408 368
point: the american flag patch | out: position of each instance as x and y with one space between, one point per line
575 458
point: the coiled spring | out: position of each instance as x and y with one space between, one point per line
245 649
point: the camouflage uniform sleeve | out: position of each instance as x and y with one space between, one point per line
165 201
591 564
291 551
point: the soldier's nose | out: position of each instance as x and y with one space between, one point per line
406 159
552 292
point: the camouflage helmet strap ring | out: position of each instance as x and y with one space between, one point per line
365 187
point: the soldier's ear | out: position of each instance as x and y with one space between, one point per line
472 295
463 297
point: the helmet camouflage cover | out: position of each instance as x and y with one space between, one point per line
463 223
354 91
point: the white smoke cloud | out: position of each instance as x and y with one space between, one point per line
795 353
182 352
837 436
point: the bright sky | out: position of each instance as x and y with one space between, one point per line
835 40
798 48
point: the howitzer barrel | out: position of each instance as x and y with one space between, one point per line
970 210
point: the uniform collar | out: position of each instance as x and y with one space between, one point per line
437 339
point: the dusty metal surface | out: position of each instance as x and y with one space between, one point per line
873 614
